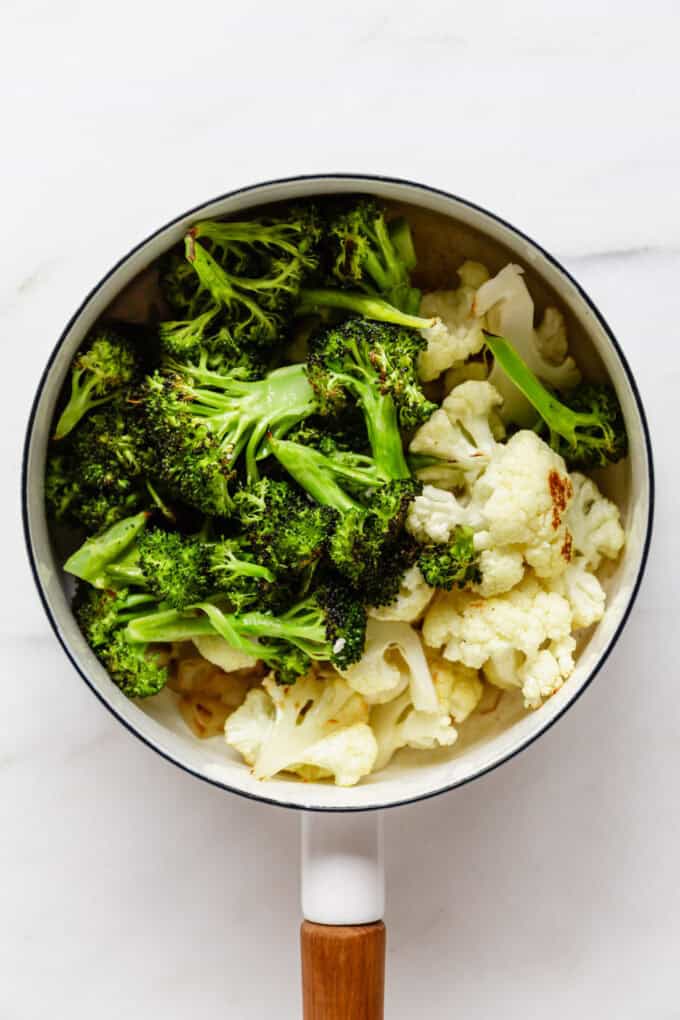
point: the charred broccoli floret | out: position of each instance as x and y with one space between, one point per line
366 252
103 617
451 564
586 427
374 365
238 282
107 363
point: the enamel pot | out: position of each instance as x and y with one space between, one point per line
343 938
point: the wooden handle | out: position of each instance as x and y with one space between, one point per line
343 971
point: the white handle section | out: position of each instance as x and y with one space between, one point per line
343 872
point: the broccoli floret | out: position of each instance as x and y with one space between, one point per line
99 371
100 473
240 280
174 567
330 478
187 456
212 424
110 447
374 365
451 564
371 513
330 625
368 546
236 574
595 434
194 345
103 617
587 429
287 533
346 432
71 502
365 252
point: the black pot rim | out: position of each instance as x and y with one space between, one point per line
359 178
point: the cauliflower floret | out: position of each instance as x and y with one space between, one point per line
501 570
460 430
393 659
434 515
506 635
398 724
458 334
248 728
523 496
509 311
551 337
542 675
348 754
594 522
314 722
221 653
583 592
459 688
413 599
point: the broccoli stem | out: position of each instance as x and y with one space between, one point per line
306 630
91 561
382 425
168 625
310 469
242 413
558 418
313 299
79 403
402 239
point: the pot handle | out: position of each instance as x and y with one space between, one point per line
343 900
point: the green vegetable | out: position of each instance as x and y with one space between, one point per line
315 299
365 252
103 617
375 366
328 625
202 425
587 429
238 283
100 370
90 562
452 564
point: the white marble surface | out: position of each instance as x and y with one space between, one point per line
547 888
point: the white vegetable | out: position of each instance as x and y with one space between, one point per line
583 592
393 659
458 334
413 599
460 429
221 653
434 515
314 722
501 569
528 620
398 724
522 497
509 311
248 728
594 522
459 688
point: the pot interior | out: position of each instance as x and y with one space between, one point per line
446 231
